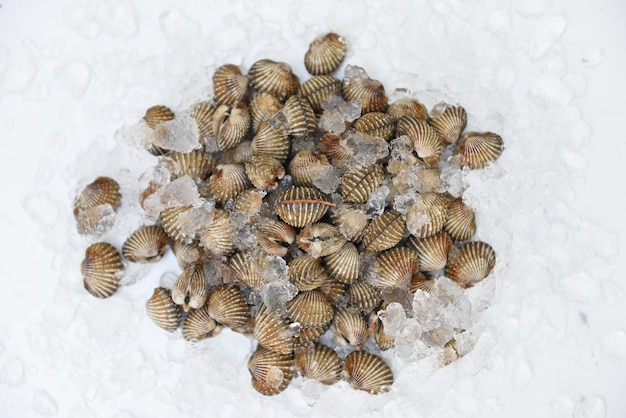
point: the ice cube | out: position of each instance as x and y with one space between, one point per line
180 192
333 120
377 201
326 178
366 149
95 221
180 134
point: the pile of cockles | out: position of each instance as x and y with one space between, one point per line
298 213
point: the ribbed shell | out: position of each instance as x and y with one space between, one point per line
425 140
217 237
325 54
308 335
247 268
163 311
377 332
196 164
460 223
384 231
319 89
242 153
271 372
350 328
360 181
471 263
376 124
202 113
102 191
476 150
227 305
370 92
363 296
395 268
435 207
188 254
300 116
101 269
351 220
320 239
273 77
331 146
264 172
422 282
191 289
272 331
333 289
229 85
147 244
262 108
158 114
230 125
320 363
306 272
304 164
345 264
199 325
450 123
301 206
407 107
170 220
227 181
273 236
272 141
365 371
249 202
310 309
432 251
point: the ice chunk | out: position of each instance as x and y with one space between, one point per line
277 289
377 201
593 57
546 35
44 404
180 134
12 372
348 111
394 318
168 279
354 73
244 239
195 219
180 192
95 221
333 120
326 178
403 202
213 273
366 149
274 377
74 77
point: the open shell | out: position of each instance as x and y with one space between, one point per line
320 239
273 236
191 289
271 372
147 244
320 363
365 371
264 172
101 269
325 54
163 311
471 263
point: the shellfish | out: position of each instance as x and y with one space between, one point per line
384 231
319 89
227 181
147 244
310 309
476 150
460 223
262 108
230 125
301 206
273 77
350 328
299 115
272 331
359 182
102 191
395 268
163 311
101 269
264 172
228 306
198 325
432 251
320 239
344 264
365 371
273 236
408 107
471 263
229 85
158 114
325 54
271 372
449 123
191 289
320 363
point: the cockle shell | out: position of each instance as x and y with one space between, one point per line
247 267
188 254
230 125
319 89
299 116
351 220
377 331
350 328
158 114
320 363
272 141
217 237
229 85
163 311
331 146
198 325
262 108
360 181
306 272
273 236
333 289
384 231
171 222
264 172
191 289
395 267
308 335
202 113
408 107
304 164
325 54
228 306
242 153
301 206
310 309
273 77
101 269
376 124
363 296
476 150
460 223
344 264
365 371
196 164
249 202
426 142
370 92
450 123
147 244
272 331
320 239
471 263
271 372
420 281
102 191
432 251
427 215
227 181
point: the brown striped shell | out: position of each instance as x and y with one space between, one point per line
384 232
229 85
301 206
325 54
202 113
307 272
217 237
196 164
376 124
333 289
304 165
273 77
407 107
101 269
319 89
432 251
360 181
300 116
377 332
158 114
230 125
272 331
449 123
242 153
351 220
331 146
264 172
273 236
249 202
370 92
350 328
308 336
227 181
262 108
476 150
320 239
427 215
365 371
191 289
271 372
198 325
320 363
188 254
460 223
171 222
247 267
363 296
344 264
395 267
420 281
425 140
310 309
102 191
163 311
228 306
272 141
471 263
147 244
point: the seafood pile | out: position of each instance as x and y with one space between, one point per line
298 212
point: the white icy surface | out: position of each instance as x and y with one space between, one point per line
549 338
